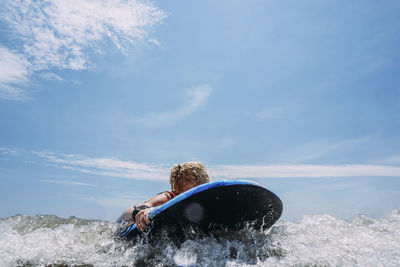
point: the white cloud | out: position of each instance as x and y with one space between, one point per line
142 171
395 159
11 151
59 33
65 182
51 77
77 82
106 166
64 34
132 170
303 171
323 148
14 72
196 97
154 42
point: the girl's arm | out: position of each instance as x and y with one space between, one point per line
157 200
141 217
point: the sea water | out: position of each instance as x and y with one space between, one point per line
319 240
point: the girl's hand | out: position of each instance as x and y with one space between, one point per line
142 219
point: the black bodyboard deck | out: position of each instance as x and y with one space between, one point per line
228 204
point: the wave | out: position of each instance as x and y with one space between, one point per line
319 240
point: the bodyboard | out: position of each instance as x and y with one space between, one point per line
226 204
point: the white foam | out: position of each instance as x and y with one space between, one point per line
315 240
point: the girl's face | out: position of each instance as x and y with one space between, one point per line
183 187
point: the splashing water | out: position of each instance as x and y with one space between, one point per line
319 240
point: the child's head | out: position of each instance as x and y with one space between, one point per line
187 175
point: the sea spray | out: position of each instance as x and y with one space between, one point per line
319 240
323 240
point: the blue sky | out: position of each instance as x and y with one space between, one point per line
98 99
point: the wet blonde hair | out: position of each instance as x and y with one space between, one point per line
191 172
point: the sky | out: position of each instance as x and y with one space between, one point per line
99 98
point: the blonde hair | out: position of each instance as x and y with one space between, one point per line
192 172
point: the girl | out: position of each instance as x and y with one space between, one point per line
182 178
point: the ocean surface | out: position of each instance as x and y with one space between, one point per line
319 240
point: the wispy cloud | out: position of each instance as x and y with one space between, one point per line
322 148
196 97
64 34
51 77
112 167
91 165
395 159
304 171
66 182
14 73
105 166
390 160
7 151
